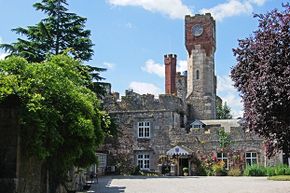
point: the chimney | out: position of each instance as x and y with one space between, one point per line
170 73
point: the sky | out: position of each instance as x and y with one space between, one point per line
131 37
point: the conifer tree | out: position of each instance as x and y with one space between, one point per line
61 31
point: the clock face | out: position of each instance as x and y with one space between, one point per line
197 30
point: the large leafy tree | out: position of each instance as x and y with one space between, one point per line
61 31
60 119
262 76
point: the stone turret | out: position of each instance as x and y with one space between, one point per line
201 80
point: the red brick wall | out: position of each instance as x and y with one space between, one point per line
207 39
170 73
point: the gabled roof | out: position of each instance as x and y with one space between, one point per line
177 150
197 122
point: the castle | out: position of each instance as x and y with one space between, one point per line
180 129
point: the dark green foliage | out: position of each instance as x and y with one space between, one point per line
262 77
223 111
58 32
136 171
60 119
224 138
257 170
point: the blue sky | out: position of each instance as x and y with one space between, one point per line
131 36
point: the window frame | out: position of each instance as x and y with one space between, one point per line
251 158
143 161
223 157
144 130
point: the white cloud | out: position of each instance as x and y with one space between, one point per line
258 2
181 65
145 88
154 68
109 65
230 8
3 55
175 9
233 8
225 83
129 25
229 94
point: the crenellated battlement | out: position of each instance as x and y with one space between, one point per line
136 102
207 15
170 56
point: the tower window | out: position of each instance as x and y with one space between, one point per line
197 74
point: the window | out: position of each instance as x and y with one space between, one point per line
144 129
197 74
102 160
197 126
251 158
223 157
143 161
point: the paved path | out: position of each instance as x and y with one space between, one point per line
139 184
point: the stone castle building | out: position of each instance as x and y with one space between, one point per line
180 127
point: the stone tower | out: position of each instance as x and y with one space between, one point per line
201 80
170 73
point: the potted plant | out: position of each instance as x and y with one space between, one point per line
185 171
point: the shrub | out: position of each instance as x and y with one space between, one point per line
218 168
287 170
270 171
234 172
136 171
255 170
280 169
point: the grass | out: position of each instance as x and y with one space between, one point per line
280 178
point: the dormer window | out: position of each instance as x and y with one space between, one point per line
197 124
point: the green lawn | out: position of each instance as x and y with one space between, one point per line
279 178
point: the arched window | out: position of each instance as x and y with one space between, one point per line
197 74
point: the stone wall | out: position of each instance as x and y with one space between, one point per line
18 173
181 85
8 150
201 85
136 102
167 131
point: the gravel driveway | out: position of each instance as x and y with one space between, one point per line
139 184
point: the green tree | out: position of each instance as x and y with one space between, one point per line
223 111
61 31
224 138
60 118
53 35
262 76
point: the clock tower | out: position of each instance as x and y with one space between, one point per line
201 80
